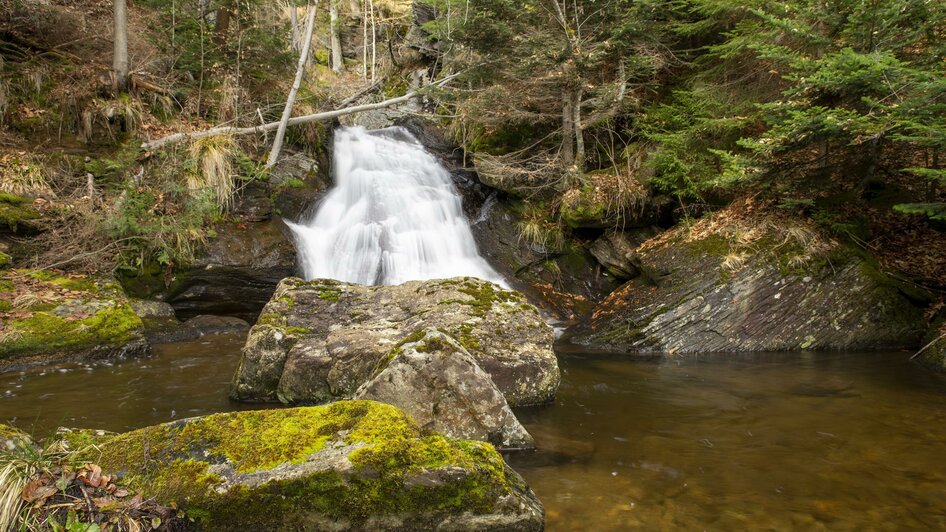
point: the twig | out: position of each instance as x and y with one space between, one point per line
927 346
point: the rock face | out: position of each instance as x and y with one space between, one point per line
706 292
438 383
50 317
319 341
934 348
237 273
351 465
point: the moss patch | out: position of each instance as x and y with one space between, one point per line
49 312
15 210
182 462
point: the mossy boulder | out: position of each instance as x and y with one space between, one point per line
16 212
48 316
934 347
351 465
12 438
760 284
438 383
320 340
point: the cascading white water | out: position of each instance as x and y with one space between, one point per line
393 216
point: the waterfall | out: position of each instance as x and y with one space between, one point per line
392 216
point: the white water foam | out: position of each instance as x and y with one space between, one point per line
392 216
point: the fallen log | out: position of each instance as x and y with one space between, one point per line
305 119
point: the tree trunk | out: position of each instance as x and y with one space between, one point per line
337 60
120 57
568 129
374 40
222 25
579 133
294 22
300 70
364 40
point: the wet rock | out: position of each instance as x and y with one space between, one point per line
934 348
151 309
237 273
206 324
320 340
438 383
50 316
351 465
12 438
703 291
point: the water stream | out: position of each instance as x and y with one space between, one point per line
393 216
839 441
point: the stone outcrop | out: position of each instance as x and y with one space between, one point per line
438 383
351 465
705 290
48 316
319 341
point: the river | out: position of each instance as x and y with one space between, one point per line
834 441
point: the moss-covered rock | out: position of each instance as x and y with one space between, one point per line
12 438
934 347
49 316
351 465
758 284
320 340
15 211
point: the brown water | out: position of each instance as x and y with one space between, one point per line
762 442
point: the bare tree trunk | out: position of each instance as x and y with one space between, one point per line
364 40
579 132
300 70
568 129
374 40
120 58
294 22
337 62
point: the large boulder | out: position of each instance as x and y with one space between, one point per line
320 340
438 383
352 465
758 285
48 316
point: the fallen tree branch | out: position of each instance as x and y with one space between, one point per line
305 119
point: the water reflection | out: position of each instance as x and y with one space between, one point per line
764 441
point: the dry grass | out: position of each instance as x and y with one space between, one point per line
12 481
214 156
21 175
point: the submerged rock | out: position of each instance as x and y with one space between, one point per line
779 288
437 382
320 340
49 317
351 465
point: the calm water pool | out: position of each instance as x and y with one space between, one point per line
842 441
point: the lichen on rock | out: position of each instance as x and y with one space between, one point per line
320 340
756 285
438 383
350 465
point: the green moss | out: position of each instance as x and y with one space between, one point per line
177 462
5 259
44 332
482 295
467 339
330 295
15 210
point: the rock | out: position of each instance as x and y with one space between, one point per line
705 290
934 347
12 438
351 465
146 309
299 181
16 214
50 316
615 251
438 383
237 273
320 340
206 324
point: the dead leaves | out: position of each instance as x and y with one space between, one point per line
94 498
